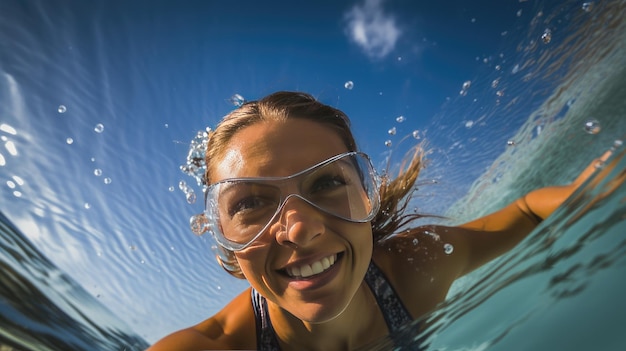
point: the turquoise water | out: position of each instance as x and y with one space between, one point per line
95 247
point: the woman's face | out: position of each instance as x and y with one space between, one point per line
303 240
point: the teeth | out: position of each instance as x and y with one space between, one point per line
306 270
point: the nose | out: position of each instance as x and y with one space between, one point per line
299 223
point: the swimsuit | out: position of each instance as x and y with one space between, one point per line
394 312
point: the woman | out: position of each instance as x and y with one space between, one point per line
301 215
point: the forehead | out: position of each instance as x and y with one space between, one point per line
277 149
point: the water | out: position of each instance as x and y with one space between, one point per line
99 103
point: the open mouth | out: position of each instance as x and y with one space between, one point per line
315 268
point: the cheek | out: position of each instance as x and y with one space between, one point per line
252 262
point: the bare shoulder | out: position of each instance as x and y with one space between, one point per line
231 328
421 264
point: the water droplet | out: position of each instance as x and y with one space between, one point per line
69 141
388 143
237 100
171 188
191 197
62 109
99 128
400 119
434 235
416 134
348 85
107 181
415 241
592 126
510 143
392 131
87 205
97 172
546 37
448 249
588 6
199 224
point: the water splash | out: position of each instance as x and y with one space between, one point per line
592 126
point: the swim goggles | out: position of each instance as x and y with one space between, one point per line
240 210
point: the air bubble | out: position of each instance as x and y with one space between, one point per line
171 188
99 128
182 185
588 6
546 37
348 85
592 126
400 119
392 131
416 134
448 249
388 143
69 141
415 242
191 197
469 124
237 100
510 143
199 224
107 181
87 205
467 84
97 172
62 109
617 144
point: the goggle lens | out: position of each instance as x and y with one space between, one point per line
240 210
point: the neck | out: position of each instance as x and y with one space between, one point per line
361 322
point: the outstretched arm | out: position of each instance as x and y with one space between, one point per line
486 238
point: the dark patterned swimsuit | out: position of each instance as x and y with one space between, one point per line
395 313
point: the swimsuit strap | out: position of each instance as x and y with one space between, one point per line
395 313
265 335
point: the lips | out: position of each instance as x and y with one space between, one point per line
314 268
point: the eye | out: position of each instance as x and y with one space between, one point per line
247 205
326 183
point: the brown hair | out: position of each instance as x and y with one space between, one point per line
279 106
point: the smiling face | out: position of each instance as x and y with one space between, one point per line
307 262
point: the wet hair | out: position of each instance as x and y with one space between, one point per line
280 106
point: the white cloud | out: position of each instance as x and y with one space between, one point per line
374 31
